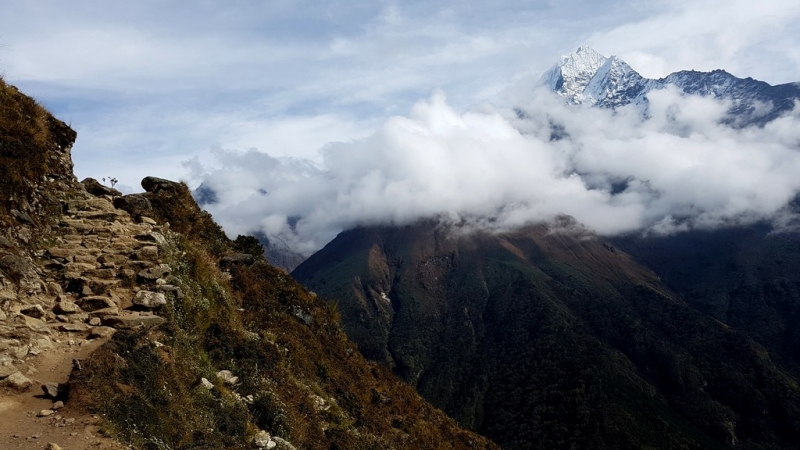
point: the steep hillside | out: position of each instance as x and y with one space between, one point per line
745 277
548 338
204 344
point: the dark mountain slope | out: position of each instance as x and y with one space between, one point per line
747 278
542 339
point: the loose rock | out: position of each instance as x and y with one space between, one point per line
227 376
152 274
66 307
101 332
51 390
149 300
263 440
17 381
35 311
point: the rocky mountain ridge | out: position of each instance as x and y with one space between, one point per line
587 77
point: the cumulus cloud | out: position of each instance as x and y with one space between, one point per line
614 172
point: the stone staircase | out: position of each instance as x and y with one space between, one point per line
100 273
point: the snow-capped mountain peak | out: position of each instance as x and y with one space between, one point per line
572 73
587 77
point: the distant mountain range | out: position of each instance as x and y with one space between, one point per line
587 77
540 338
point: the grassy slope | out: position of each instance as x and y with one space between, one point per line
309 384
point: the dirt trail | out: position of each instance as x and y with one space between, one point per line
69 428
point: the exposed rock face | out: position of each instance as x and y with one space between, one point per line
136 205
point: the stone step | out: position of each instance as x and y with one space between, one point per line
101 274
108 216
131 321
112 257
95 303
89 204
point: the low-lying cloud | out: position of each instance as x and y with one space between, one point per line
614 172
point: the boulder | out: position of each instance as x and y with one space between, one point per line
135 204
66 307
5 242
206 384
51 390
101 332
95 302
154 237
72 327
94 187
6 371
17 381
153 184
283 444
35 311
152 274
14 266
149 300
147 253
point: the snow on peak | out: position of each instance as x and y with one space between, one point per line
572 73
588 77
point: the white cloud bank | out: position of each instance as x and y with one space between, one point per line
614 173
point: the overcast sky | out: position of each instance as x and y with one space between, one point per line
352 91
148 84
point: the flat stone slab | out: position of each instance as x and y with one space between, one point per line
131 322
154 273
95 302
73 327
147 299
101 332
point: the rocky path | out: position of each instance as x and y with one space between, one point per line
100 273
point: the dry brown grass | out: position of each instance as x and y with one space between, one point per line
283 343
28 135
